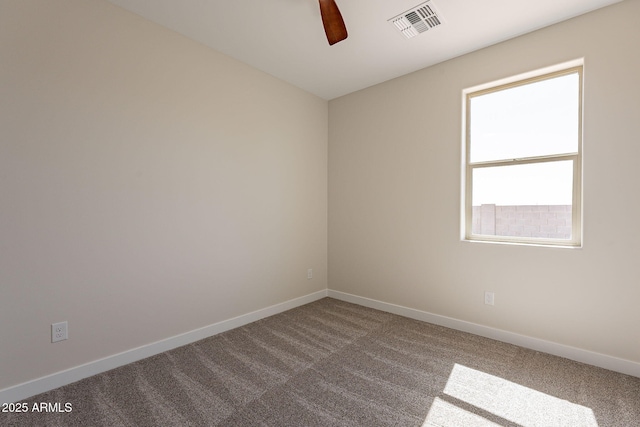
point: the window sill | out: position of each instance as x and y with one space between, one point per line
542 244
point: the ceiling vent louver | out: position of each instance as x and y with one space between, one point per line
417 20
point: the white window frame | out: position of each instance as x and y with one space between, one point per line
575 157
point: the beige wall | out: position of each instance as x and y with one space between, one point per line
149 186
394 195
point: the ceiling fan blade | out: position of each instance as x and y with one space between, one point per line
333 23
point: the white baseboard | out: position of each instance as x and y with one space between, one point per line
580 355
59 379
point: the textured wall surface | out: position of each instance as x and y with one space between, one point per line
395 194
149 185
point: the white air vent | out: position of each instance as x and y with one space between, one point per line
417 20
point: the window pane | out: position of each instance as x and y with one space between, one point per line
536 119
530 200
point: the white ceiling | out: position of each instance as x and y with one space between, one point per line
285 38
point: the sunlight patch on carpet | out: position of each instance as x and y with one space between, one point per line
445 414
509 401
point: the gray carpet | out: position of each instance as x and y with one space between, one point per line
332 363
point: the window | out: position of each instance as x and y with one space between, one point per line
522 166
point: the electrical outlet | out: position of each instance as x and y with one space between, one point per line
310 273
489 298
59 331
